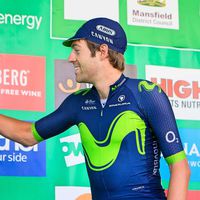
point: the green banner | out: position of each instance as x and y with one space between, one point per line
154 22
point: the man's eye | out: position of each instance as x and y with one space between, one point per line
77 50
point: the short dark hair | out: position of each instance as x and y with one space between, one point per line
116 59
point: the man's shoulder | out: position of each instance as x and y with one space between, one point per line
78 95
136 81
82 92
133 84
142 85
75 98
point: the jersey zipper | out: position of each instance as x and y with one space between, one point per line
101 112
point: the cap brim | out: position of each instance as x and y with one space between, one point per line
68 42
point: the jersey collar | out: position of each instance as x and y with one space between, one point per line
114 86
118 83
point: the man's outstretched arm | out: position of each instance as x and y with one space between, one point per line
179 179
17 130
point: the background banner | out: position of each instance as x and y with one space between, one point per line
35 77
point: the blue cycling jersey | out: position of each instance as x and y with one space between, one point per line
122 141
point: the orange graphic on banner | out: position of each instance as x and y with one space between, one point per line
70 85
22 82
86 196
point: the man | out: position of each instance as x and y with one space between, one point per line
124 123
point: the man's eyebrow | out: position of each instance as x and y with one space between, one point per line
75 45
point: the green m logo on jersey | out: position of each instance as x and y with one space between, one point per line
148 86
101 155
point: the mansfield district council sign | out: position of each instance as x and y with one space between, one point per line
161 14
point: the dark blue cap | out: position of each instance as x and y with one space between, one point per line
101 31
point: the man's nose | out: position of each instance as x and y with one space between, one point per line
71 57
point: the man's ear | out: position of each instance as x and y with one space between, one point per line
103 50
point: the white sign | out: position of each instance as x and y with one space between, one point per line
88 9
182 87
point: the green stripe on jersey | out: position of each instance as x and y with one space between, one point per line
36 134
176 157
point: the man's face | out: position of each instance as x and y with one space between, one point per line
84 64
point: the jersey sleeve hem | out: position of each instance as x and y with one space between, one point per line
176 157
36 134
